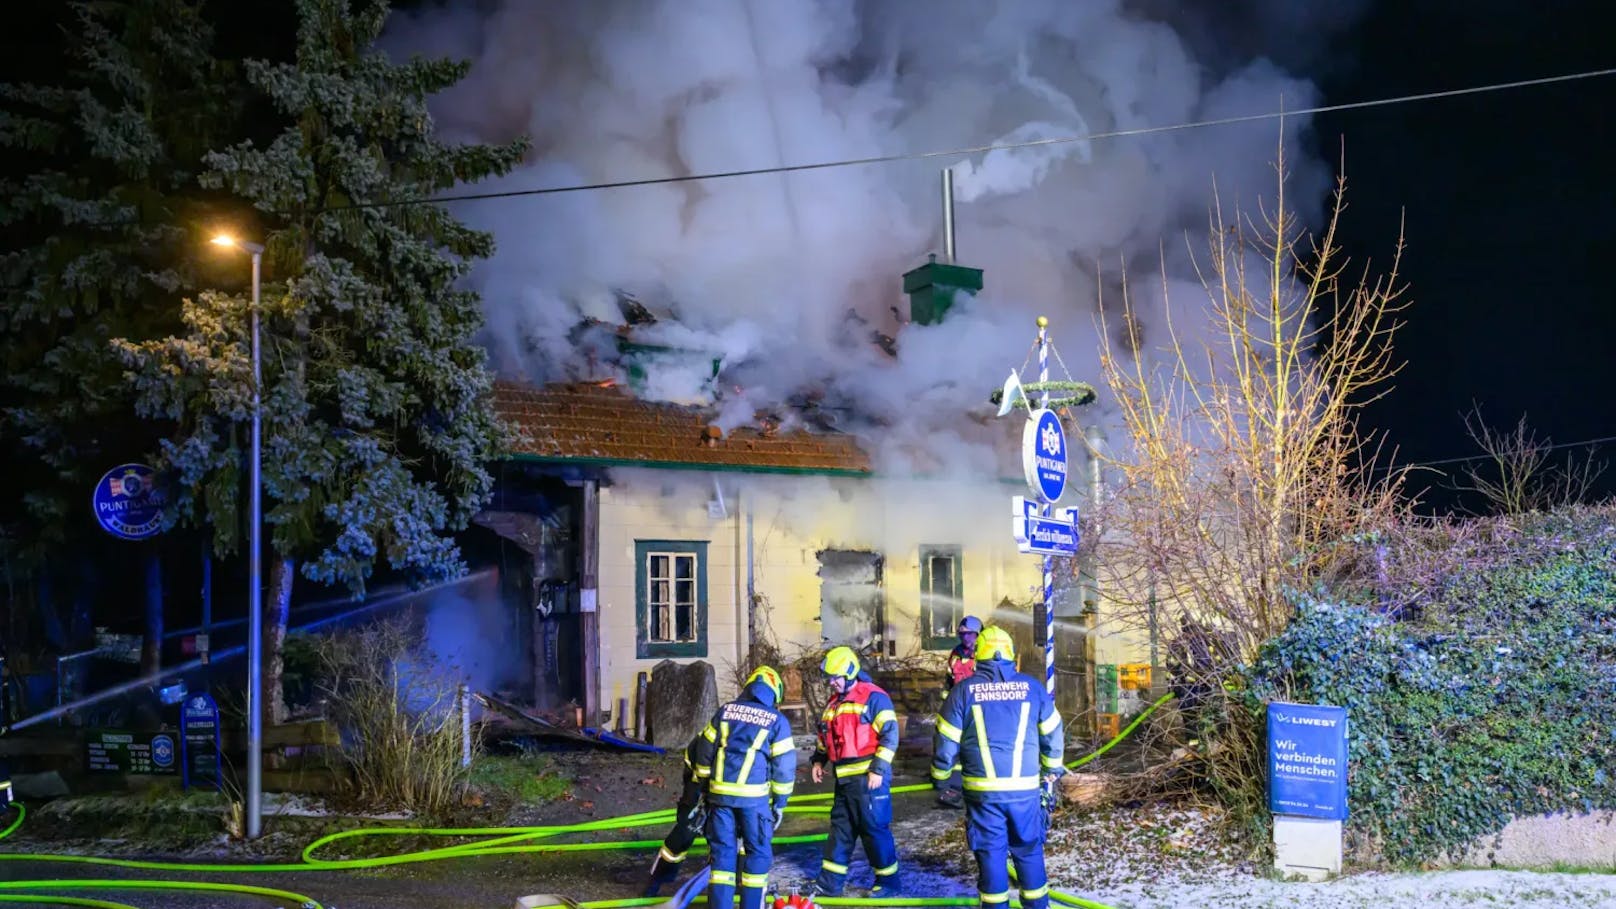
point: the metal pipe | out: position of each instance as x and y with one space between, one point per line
751 577
948 215
255 586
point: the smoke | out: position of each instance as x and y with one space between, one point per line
458 630
790 281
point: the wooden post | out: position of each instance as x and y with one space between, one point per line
642 684
589 584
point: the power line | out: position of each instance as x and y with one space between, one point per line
1483 457
1005 146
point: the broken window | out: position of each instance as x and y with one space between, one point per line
671 598
942 595
852 607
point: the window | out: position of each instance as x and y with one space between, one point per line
942 596
670 598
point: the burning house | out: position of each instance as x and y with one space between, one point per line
648 530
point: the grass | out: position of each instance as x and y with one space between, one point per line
522 779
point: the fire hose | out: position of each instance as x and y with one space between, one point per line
492 841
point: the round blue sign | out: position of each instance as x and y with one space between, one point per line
128 503
162 751
1043 455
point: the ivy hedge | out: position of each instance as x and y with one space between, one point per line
1496 699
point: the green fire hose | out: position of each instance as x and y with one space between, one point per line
490 841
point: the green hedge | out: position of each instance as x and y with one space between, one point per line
1499 700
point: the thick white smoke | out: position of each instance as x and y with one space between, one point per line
765 270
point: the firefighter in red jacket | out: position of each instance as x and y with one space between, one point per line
858 738
961 666
962 659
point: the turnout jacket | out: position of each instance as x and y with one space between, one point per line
1000 729
961 666
745 756
858 732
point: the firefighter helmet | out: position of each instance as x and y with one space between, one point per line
842 662
769 677
994 643
970 623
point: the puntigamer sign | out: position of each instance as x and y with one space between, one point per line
128 503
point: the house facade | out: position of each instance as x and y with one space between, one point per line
644 531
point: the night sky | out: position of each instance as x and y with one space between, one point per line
1508 199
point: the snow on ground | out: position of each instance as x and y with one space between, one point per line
1161 857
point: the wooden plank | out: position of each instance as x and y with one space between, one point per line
589 623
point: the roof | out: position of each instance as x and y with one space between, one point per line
598 423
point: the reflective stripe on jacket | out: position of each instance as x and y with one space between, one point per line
746 755
961 666
858 732
1001 730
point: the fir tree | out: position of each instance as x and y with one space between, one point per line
96 247
101 182
378 420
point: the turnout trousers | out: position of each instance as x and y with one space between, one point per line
687 826
727 829
859 814
1013 830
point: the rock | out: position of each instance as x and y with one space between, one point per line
1085 790
681 699
36 787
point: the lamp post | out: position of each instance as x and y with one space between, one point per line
255 585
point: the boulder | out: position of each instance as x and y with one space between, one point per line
680 700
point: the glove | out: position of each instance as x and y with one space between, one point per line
779 814
1049 797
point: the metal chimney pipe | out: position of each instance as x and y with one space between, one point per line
948 215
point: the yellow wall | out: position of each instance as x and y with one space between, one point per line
793 518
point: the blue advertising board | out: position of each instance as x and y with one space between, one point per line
1044 455
1307 760
128 503
199 742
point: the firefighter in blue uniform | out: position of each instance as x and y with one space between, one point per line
961 666
858 738
748 763
688 818
1002 730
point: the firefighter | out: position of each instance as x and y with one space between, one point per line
1000 727
961 665
962 659
748 763
858 738
689 817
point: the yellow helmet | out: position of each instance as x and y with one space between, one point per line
769 677
994 643
841 661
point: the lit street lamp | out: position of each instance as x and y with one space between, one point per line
255 586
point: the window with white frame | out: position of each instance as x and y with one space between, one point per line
671 598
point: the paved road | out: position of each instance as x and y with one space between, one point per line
495 882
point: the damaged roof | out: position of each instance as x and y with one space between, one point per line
599 423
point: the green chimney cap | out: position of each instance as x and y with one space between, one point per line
931 289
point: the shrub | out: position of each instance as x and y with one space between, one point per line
1495 702
398 716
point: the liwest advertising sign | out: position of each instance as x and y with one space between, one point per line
1307 760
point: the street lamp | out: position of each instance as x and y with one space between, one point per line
255 571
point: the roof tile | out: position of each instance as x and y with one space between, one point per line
588 420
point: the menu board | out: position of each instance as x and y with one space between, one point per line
122 751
